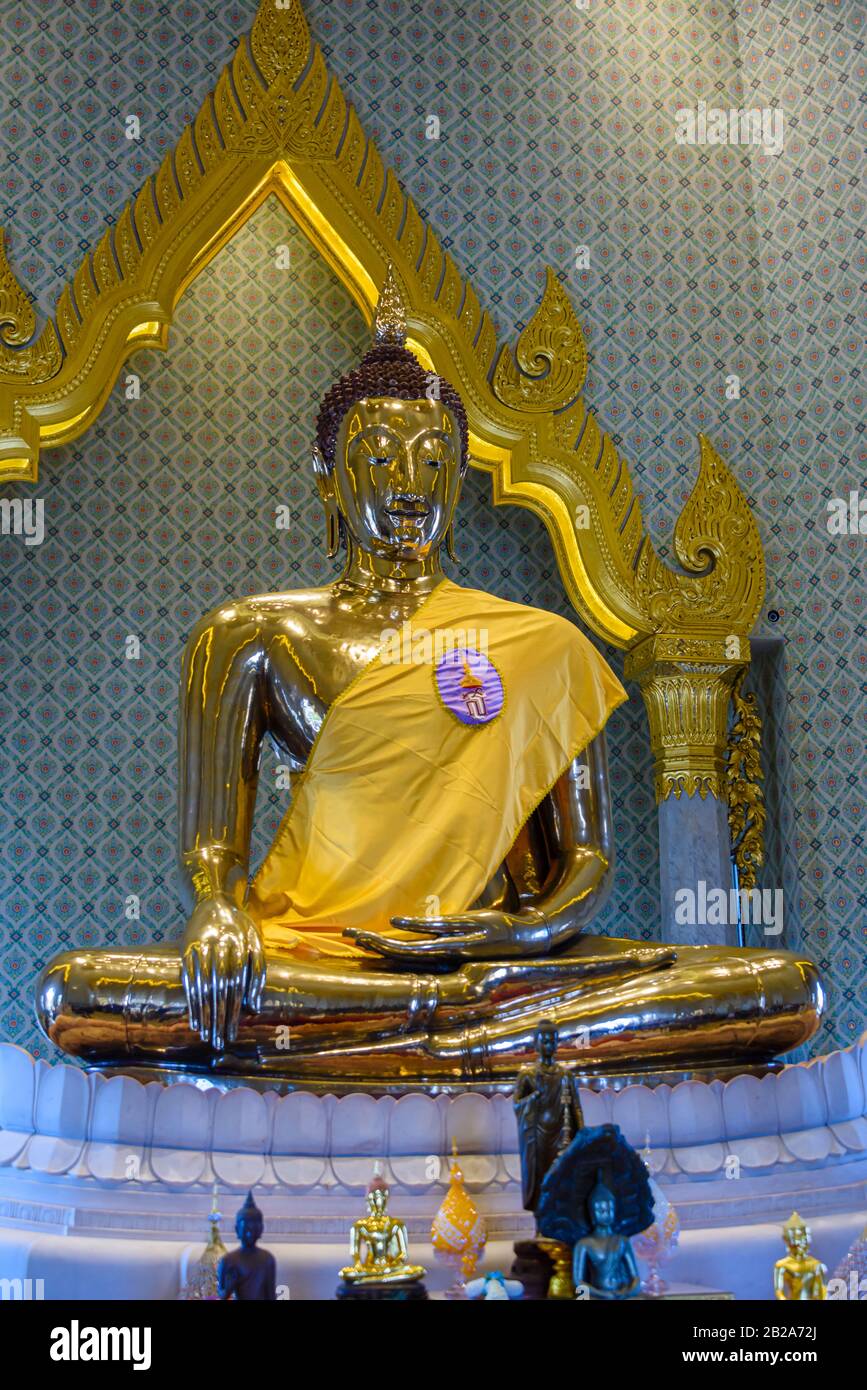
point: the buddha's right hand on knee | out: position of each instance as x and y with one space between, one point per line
223 969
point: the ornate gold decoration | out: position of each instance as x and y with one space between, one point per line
389 324
17 319
550 360
278 124
746 800
687 685
560 1285
35 363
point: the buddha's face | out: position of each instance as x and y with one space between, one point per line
376 1200
248 1229
602 1211
397 475
546 1042
798 1240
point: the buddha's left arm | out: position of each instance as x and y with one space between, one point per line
576 817
399 1234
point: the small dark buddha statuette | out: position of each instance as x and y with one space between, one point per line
248 1274
547 1110
603 1262
594 1197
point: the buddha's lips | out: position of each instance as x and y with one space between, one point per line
412 511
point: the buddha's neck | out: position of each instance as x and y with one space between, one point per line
375 574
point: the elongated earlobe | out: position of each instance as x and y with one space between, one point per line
335 531
450 542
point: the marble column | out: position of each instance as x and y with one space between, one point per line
693 850
687 683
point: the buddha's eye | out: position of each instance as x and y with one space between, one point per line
435 453
378 459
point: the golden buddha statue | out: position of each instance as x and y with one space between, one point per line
449 836
799 1275
378 1245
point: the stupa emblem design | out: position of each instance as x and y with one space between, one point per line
473 692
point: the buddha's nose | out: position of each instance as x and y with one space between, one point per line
406 476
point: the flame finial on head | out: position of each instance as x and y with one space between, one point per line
794 1224
377 1182
389 321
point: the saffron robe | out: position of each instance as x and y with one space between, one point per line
403 809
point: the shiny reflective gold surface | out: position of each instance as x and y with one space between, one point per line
438 996
617 1007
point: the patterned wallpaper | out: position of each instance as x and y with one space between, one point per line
556 133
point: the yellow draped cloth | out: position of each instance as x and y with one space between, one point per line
402 809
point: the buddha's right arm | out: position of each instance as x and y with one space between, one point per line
222 722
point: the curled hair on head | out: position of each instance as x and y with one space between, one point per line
387 370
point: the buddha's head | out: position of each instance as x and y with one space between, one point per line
796 1234
249 1223
546 1040
601 1206
391 447
377 1195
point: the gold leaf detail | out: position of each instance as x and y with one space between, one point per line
716 540
207 140
280 39
389 324
146 220
168 197
549 365
186 165
17 319
68 322
746 800
84 288
126 244
104 268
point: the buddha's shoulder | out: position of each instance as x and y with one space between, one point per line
303 609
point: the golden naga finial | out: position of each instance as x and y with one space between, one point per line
389 321
17 319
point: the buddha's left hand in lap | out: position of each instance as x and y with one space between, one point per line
490 933
480 934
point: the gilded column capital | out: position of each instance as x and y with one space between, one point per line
687 686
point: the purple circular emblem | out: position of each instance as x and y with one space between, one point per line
470 686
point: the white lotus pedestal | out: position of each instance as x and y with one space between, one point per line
106 1184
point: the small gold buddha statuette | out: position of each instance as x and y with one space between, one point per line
378 1244
798 1275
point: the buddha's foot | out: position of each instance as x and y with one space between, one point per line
619 1007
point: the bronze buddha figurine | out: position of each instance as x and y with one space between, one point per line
548 1113
449 837
248 1274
